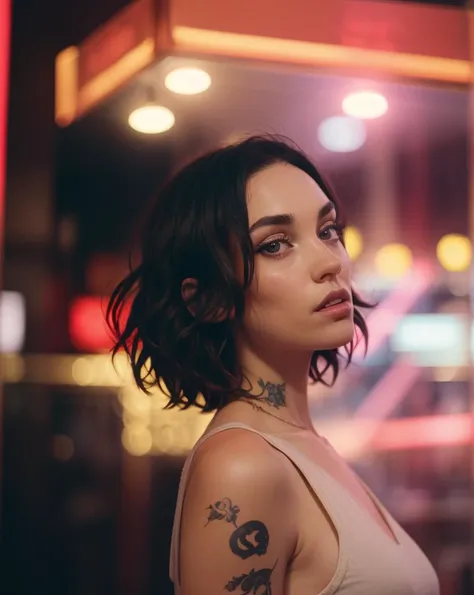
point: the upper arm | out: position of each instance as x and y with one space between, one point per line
238 532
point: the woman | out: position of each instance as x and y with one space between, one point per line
243 292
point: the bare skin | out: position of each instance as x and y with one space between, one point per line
251 524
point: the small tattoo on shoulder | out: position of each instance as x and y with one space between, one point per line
223 510
255 582
275 393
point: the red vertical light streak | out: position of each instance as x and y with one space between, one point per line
5 24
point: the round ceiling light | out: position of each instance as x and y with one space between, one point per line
366 105
188 81
454 252
151 119
342 134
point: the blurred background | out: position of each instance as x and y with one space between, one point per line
106 98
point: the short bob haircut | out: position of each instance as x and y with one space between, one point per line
193 229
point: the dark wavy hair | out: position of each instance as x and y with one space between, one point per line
192 231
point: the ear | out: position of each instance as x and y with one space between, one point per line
189 288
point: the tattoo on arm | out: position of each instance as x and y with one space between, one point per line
253 582
223 509
249 539
275 393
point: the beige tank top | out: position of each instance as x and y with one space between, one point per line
370 562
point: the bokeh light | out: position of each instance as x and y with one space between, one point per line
353 241
136 439
188 81
342 134
12 321
393 260
87 328
151 119
366 105
454 252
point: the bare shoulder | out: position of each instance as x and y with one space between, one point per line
242 464
239 454
238 521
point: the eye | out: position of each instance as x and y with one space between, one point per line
275 247
332 232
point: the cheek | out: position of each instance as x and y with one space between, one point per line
270 296
272 283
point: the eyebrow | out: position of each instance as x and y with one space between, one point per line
287 218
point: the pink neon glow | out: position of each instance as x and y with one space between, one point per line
422 432
354 438
383 320
389 391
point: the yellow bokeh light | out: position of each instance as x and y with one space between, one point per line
83 371
353 242
137 440
393 260
136 403
148 429
454 252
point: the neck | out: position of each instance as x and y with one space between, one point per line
280 384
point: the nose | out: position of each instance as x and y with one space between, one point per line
326 264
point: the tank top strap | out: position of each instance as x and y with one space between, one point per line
315 477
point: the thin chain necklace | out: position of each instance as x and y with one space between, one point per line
260 408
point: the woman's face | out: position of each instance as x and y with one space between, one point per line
299 261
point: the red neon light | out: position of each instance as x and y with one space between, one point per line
88 330
5 20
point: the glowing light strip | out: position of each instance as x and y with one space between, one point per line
348 436
66 86
423 432
291 51
389 392
72 102
110 79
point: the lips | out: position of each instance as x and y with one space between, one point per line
334 298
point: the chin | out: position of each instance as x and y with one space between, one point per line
339 334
